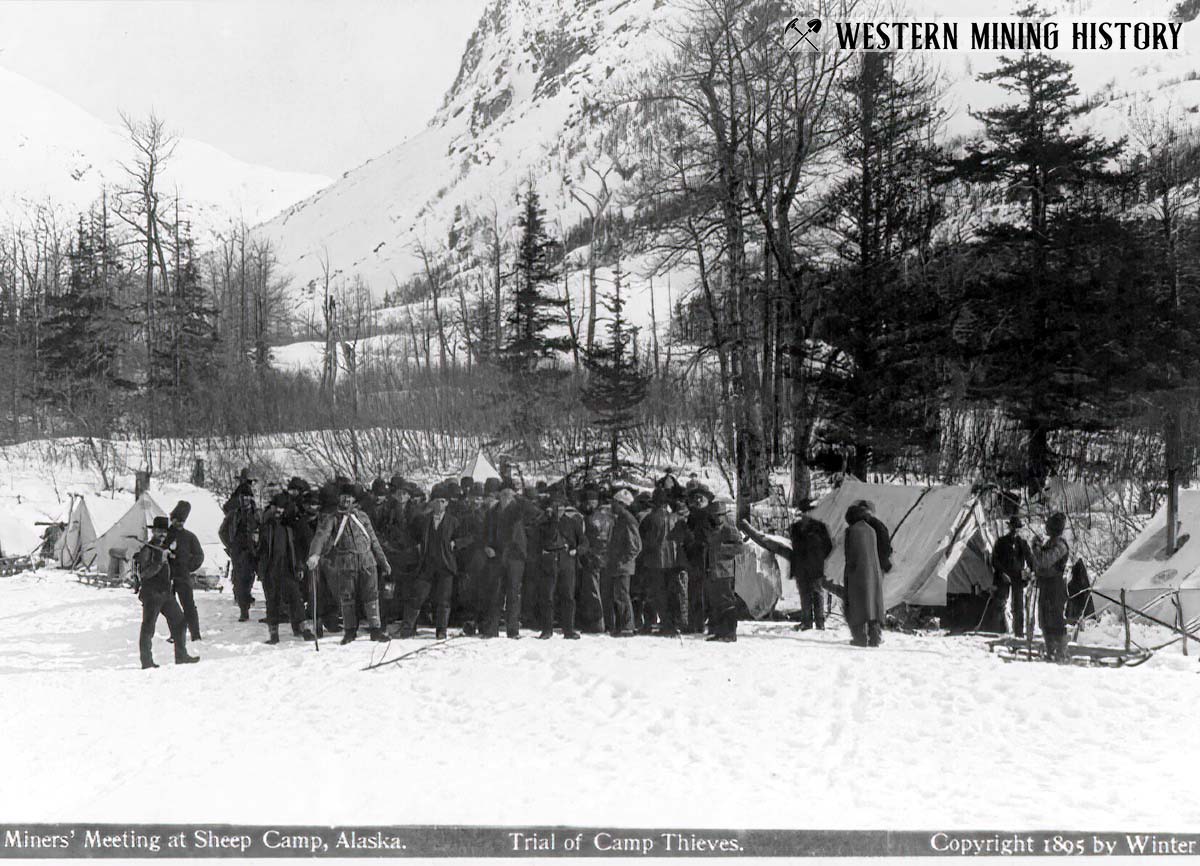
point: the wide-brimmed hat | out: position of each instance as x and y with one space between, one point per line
160 522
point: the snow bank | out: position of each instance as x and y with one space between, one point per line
781 729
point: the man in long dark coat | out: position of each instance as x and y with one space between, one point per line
624 545
863 579
665 580
1009 555
722 546
285 540
438 534
1048 562
507 548
185 555
239 534
597 524
559 537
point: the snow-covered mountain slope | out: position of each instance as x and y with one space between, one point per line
52 151
522 109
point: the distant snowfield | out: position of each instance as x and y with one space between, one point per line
781 729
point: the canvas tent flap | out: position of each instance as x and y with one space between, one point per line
759 589
1148 576
90 517
123 535
930 529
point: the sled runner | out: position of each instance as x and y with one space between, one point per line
1013 649
10 565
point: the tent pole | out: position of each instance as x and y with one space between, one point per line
1179 614
1125 620
1147 616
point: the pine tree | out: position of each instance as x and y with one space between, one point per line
534 312
881 308
81 347
616 385
1009 327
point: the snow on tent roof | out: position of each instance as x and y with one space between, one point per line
479 468
1150 577
934 543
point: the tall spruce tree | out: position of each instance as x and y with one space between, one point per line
83 332
881 309
616 384
1020 329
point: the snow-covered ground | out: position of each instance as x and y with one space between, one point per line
781 729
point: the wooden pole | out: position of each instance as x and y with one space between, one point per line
1029 619
1172 510
1125 619
1179 615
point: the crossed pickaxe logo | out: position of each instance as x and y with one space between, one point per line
813 26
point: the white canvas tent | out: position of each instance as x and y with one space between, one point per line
754 580
479 468
98 526
204 521
940 539
1150 577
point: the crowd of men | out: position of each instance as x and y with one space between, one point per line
481 555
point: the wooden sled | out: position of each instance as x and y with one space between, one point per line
100 578
1018 649
10 565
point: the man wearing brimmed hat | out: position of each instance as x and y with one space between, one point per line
154 589
437 535
810 547
468 551
1009 555
559 538
345 542
722 546
506 540
624 545
663 579
239 534
689 535
185 555
284 542
597 526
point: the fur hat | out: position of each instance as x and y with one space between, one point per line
396 482
181 510
348 488
379 487
281 500
492 485
298 483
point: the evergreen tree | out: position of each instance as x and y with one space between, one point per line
616 385
84 328
534 311
882 309
1021 325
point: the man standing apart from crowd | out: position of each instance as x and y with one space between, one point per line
437 567
185 555
863 579
154 591
345 543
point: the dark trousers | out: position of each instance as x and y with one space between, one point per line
1052 603
697 606
591 606
392 609
357 583
618 607
328 602
154 603
1018 608
285 602
439 582
812 604
530 598
637 600
242 568
187 603
666 597
504 582
722 605
557 578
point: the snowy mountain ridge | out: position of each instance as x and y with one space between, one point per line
523 109
52 151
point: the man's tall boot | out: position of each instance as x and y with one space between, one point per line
273 631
